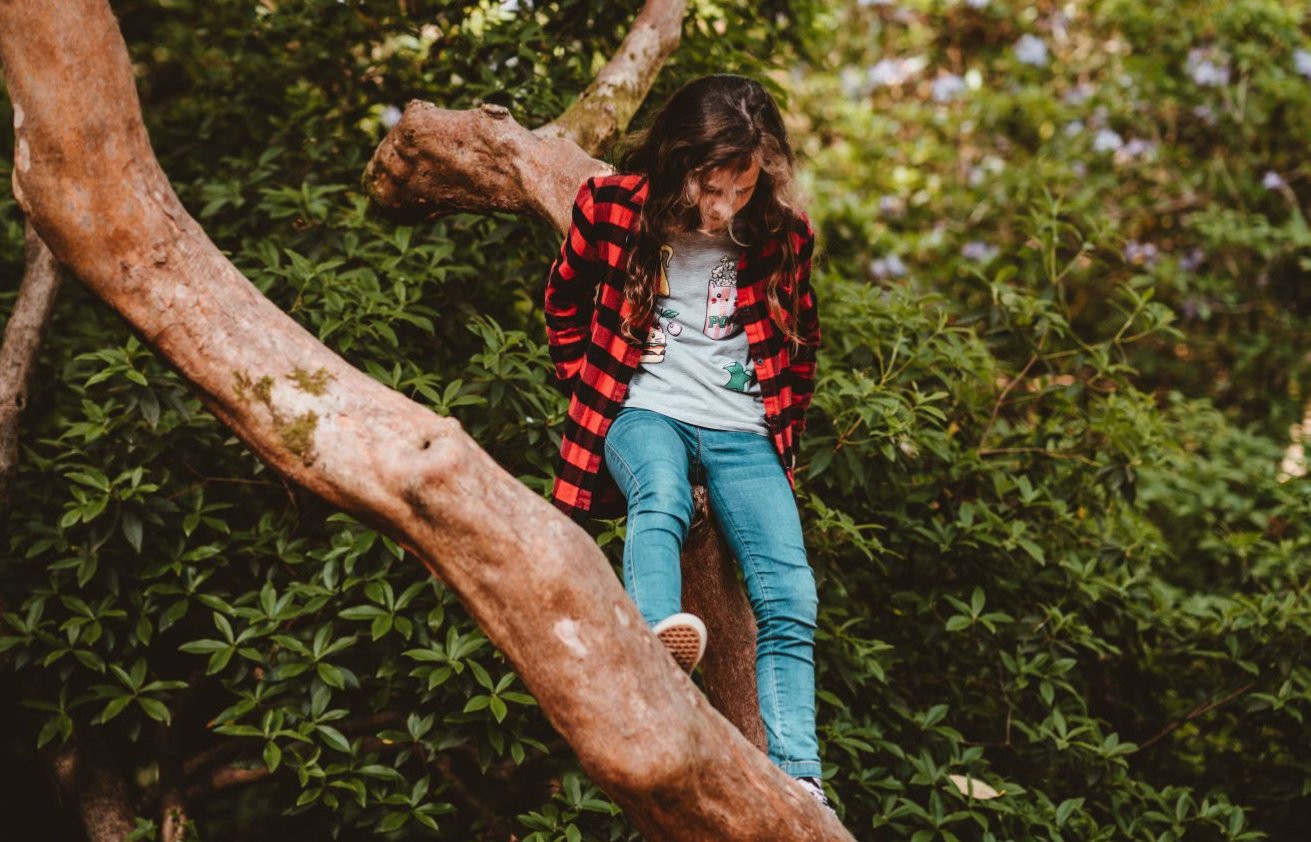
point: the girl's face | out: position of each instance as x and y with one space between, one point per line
723 192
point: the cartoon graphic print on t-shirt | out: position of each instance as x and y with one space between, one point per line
739 377
721 301
653 350
720 320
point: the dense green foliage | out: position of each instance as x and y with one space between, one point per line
1063 328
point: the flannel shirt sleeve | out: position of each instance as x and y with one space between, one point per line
802 365
570 290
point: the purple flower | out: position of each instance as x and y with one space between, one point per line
895 71
891 205
391 115
1204 113
887 267
1141 254
1030 49
977 4
1273 181
1107 141
1192 259
1079 94
978 251
947 87
854 83
1136 149
1302 62
1207 69
1074 127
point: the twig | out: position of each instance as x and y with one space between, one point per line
996 407
1201 709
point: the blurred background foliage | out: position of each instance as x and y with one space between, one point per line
1062 256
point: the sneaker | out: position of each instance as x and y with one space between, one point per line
684 635
812 786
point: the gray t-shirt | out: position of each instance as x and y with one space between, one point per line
696 366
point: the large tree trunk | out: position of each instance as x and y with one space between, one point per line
541 590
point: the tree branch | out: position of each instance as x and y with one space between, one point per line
437 161
535 582
224 777
602 112
24 332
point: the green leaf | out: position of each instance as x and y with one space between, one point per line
498 708
332 676
477 703
362 612
272 755
334 738
200 647
393 821
155 709
113 709
132 529
1067 807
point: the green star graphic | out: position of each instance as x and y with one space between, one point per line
738 377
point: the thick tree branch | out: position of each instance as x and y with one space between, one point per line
437 161
24 331
534 581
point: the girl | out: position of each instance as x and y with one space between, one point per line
683 329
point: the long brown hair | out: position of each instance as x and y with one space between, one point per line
722 120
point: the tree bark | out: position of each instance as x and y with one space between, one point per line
89 777
437 161
24 333
604 110
534 581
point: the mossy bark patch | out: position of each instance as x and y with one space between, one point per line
296 434
311 384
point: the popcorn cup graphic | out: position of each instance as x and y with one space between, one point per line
721 300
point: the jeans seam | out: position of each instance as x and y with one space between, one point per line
629 579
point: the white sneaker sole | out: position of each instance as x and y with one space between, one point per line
684 635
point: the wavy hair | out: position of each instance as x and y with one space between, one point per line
722 120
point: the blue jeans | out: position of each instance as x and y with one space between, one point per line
652 458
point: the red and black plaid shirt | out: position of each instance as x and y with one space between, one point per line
593 364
